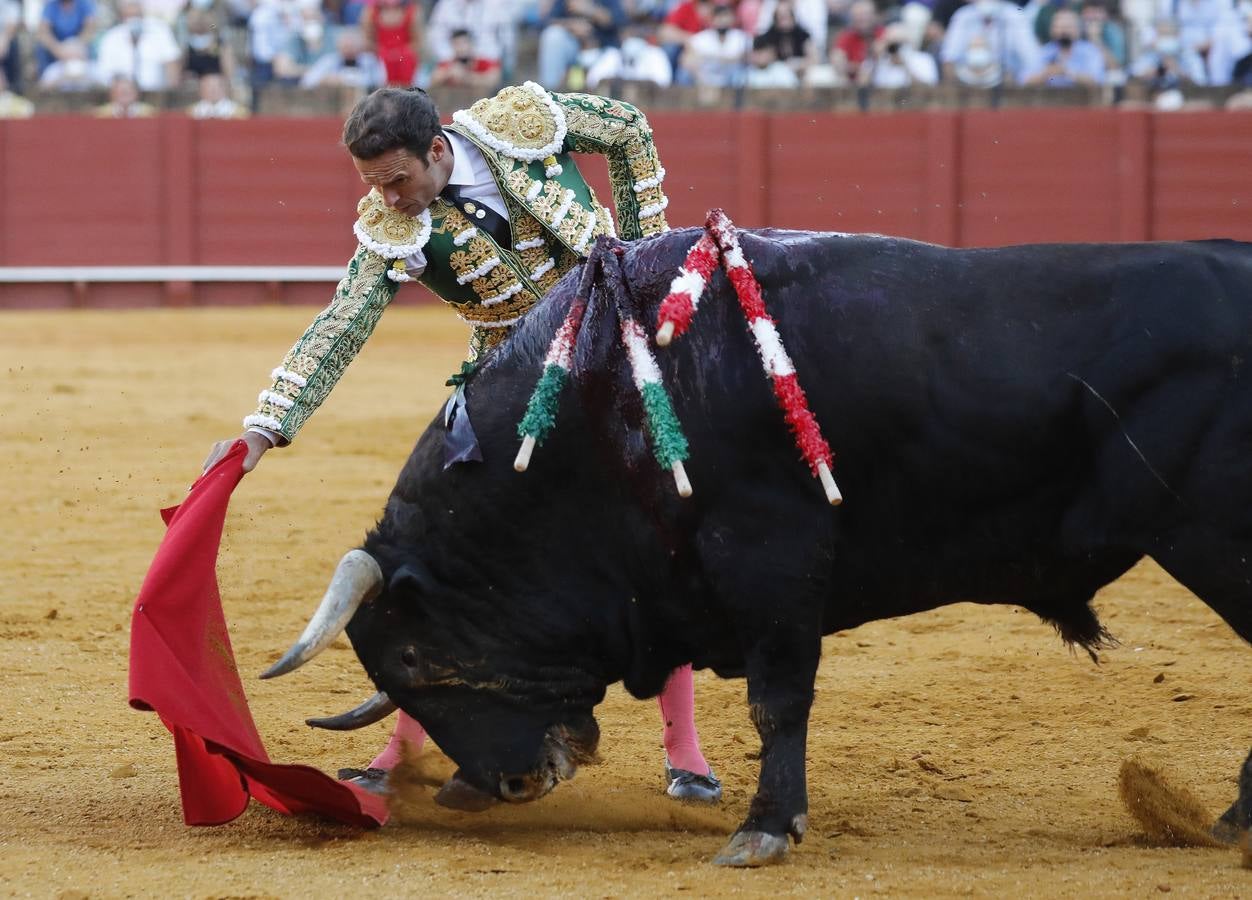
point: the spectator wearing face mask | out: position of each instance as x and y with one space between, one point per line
205 53
1200 22
1068 60
141 48
466 68
348 65
1040 14
894 63
393 31
852 45
717 56
1108 36
989 43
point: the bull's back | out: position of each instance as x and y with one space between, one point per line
976 400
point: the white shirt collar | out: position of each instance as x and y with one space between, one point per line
462 162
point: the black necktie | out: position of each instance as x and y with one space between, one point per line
480 215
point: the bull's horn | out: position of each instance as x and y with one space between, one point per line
375 709
357 579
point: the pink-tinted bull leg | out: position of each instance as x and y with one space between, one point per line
407 731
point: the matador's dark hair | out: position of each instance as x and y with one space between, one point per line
390 118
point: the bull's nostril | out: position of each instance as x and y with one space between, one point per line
408 656
515 786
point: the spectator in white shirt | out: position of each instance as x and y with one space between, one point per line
1199 21
274 35
349 65
140 47
636 59
895 63
766 70
990 42
716 57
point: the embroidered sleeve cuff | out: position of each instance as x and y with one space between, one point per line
319 358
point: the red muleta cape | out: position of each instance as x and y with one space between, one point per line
182 668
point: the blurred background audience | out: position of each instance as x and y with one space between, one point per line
218 58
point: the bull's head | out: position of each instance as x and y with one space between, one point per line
515 730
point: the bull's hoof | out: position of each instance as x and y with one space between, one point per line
1226 832
372 780
749 849
689 786
1226 829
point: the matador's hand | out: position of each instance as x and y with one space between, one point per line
257 445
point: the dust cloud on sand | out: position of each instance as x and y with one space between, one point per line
962 752
574 805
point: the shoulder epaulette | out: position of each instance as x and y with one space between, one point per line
389 233
521 122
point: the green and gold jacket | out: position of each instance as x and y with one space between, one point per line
526 135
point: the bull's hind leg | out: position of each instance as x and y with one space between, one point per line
771 588
1218 570
1235 825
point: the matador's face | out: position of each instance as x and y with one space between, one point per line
407 183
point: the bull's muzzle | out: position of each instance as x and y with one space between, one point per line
357 579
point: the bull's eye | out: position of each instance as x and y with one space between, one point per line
408 656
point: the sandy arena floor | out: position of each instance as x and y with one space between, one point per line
964 752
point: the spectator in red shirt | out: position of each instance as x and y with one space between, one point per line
466 68
393 30
686 19
852 45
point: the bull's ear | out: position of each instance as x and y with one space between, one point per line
411 578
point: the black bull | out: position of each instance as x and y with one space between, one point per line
1015 425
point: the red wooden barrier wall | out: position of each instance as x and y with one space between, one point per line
171 191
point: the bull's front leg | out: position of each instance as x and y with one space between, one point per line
780 673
